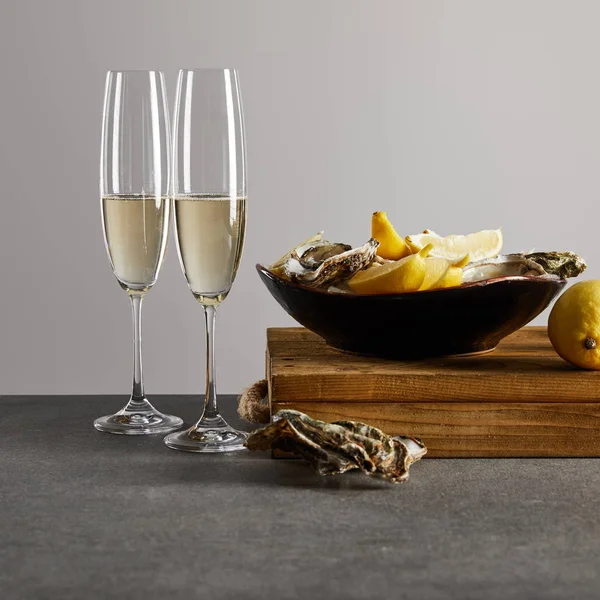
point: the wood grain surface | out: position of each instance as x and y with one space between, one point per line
520 400
524 368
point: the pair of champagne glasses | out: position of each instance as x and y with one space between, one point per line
200 174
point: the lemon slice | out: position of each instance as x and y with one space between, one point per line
404 275
483 244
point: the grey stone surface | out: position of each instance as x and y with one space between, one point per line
85 515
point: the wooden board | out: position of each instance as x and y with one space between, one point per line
520 400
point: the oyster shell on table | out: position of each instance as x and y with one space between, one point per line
334 448
536 264
319 263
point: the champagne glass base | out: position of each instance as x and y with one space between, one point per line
138 422
207 438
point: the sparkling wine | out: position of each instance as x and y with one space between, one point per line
210 238
136 229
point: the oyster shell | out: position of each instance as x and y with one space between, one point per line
314 255
504 265
320 263
334 448
563 264
535 264
277 266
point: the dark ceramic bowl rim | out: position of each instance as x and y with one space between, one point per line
485 282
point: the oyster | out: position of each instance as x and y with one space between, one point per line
535 264
339 447
504 265
316 254
563 264
319 263
277 266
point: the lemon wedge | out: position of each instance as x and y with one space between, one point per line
483 244
451 278
391 245
404 275
435 269
442 273
414 247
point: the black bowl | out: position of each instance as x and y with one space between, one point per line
468 319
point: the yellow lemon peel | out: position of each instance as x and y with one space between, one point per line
391 245
397 277
574 325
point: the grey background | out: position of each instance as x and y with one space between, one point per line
455 116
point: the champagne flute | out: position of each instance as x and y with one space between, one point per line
209 203
134 190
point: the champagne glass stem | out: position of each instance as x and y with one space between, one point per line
138 416
211 433
138 398
211 411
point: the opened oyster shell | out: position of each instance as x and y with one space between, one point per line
314 255
563 264
505 265
334 448
277 266
319 263
537 264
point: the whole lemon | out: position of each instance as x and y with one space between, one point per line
574 325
